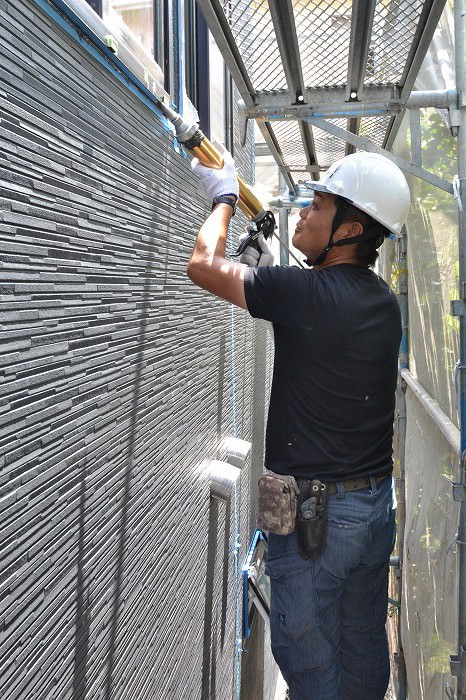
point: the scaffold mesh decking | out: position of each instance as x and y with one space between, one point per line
306 58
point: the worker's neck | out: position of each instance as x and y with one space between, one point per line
340 256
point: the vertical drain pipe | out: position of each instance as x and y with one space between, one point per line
223 480
401 435
458 666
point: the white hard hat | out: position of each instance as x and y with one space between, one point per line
371 183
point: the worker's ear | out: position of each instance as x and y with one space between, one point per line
348 230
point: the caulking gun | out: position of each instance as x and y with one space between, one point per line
193 139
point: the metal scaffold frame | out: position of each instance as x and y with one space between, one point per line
458 662
323 108
364 96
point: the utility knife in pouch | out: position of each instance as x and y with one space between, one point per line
311 522
278 494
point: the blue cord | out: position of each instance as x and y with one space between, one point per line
238 640
233 376
236 544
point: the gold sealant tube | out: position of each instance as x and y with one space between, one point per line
195 141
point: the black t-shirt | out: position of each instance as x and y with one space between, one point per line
337 334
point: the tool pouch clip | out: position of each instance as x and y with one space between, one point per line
311 523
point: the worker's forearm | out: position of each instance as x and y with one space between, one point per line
212 237
208 267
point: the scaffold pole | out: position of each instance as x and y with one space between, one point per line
458 663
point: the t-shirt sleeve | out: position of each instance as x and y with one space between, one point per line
276 293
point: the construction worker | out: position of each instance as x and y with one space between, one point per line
337 331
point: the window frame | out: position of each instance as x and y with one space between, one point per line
180 76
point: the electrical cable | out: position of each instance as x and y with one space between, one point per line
236 543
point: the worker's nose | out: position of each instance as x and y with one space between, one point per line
303 212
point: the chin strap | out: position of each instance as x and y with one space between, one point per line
374 232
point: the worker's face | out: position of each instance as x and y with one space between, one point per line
315 224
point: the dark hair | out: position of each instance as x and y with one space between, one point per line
366 250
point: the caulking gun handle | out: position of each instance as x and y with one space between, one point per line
265 224
248 242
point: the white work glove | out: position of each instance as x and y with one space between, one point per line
217 182
257 258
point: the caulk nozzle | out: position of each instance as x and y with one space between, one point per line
183 130
169 113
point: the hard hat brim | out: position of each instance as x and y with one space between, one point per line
317 186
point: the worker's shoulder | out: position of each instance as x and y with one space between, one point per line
278 274
353 275
352 286
344 279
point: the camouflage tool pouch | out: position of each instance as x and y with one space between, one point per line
278 497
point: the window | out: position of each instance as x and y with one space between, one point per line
216 92
190 50
137 16
168 46
196 62
96 6
204 74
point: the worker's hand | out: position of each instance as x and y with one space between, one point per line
217 182
257 258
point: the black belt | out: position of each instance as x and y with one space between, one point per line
350 484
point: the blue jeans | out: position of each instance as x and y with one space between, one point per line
327 616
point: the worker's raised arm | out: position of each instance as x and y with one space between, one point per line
208 267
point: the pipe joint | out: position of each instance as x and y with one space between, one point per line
457 663
223 477
237 451
459 492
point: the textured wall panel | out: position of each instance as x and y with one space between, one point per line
119 381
